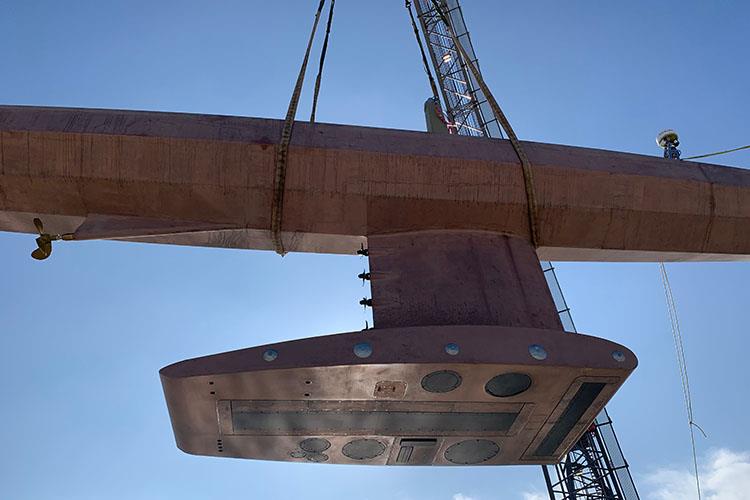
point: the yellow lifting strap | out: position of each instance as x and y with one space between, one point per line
321 62
528 177
282 150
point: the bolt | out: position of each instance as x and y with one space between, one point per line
270 354
537 352
362 350
618 356
452 349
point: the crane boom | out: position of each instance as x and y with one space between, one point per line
465 104
595 467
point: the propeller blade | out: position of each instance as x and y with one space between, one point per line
39 254
39 225
44 250
364 276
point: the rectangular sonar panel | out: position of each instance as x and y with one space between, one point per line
582 401
383 422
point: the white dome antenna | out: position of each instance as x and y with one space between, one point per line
669 140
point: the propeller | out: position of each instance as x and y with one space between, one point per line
362 250
44 241
365 302
364 276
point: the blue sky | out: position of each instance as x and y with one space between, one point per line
84 333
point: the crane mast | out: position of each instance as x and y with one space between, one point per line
595 467
466 105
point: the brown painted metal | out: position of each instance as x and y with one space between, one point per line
323 374
427 286
446 221
458 278
214 174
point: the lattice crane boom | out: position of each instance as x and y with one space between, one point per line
595 468
466 105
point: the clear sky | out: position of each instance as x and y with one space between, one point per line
84 334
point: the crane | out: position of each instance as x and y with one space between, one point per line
595 468
439 325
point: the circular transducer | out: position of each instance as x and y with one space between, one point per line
471 451
618 356
537 352
363 350
452 349
363 449
315 445
441 381
317 457
297 454
270 354
507 384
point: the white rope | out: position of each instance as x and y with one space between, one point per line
717 153
682 363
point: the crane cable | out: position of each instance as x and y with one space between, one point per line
320 62
528 177
680 350
717 153
425 64
282 150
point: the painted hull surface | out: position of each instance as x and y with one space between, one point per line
208 180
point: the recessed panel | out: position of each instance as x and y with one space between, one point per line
363 449
582 401
383 421
507 385
441 381
315 445
472 451
416 451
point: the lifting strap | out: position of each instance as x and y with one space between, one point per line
282 149
528 177
320 63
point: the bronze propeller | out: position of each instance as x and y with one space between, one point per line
44 241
